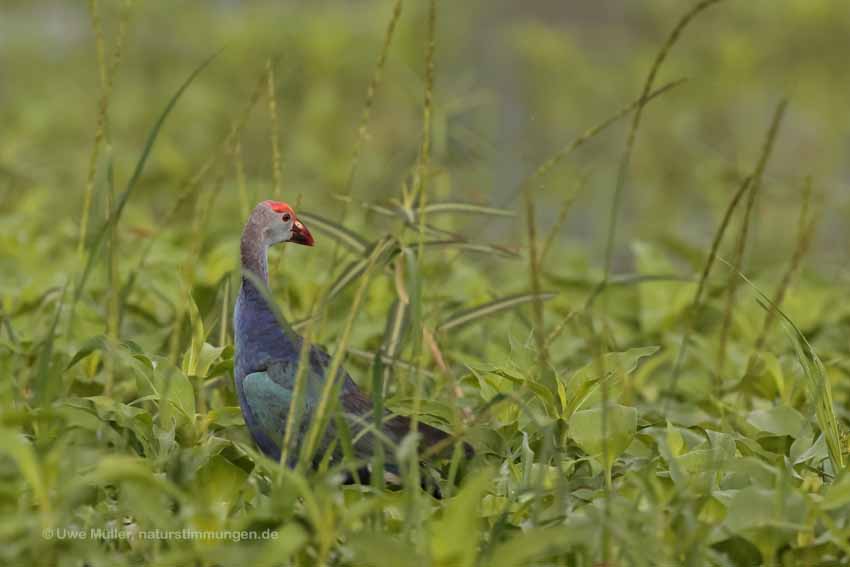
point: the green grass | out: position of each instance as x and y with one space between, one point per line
617 277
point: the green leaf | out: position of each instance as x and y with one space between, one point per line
172 388
780 420
524 548
754 508
620 428
206 358
582 388
837 495
291 538
228 416
663 302
93 344
218 483
381 550
675 441
817 381
114 469
454 537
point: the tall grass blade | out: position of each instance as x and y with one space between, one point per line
106 74
47 388
534 270
820 391
454 208
191 186
490 249
327 399
549 241
19 449
817 381
547 166
365 117
741 243
805 230
277 165
335 230
115 215
353 271
397 324
630 142
473 314
696 303
385 360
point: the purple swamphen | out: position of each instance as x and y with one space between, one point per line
268 351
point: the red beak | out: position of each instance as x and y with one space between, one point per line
300 234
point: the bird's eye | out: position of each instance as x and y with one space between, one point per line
286 217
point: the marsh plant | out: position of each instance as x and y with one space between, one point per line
644 338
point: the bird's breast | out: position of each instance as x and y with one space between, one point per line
258 336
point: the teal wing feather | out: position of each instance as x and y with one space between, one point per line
269 404
269 395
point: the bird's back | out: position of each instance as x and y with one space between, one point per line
266 363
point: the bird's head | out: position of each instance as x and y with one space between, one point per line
281 225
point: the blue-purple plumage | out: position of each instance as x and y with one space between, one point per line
268 350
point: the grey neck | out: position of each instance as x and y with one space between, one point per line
254 252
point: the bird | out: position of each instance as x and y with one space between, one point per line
268 350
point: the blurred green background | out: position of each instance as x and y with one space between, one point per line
515 82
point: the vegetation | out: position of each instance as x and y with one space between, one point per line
608 253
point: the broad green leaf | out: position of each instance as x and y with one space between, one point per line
582 388
109 419
620 427
525 547
206 358
218 483
172 388
382 550
817 450
115 469
764 515
837 495
661 302
454 537
291 538
675 441
93 344
228 416
780 420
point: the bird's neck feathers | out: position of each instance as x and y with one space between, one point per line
254 251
